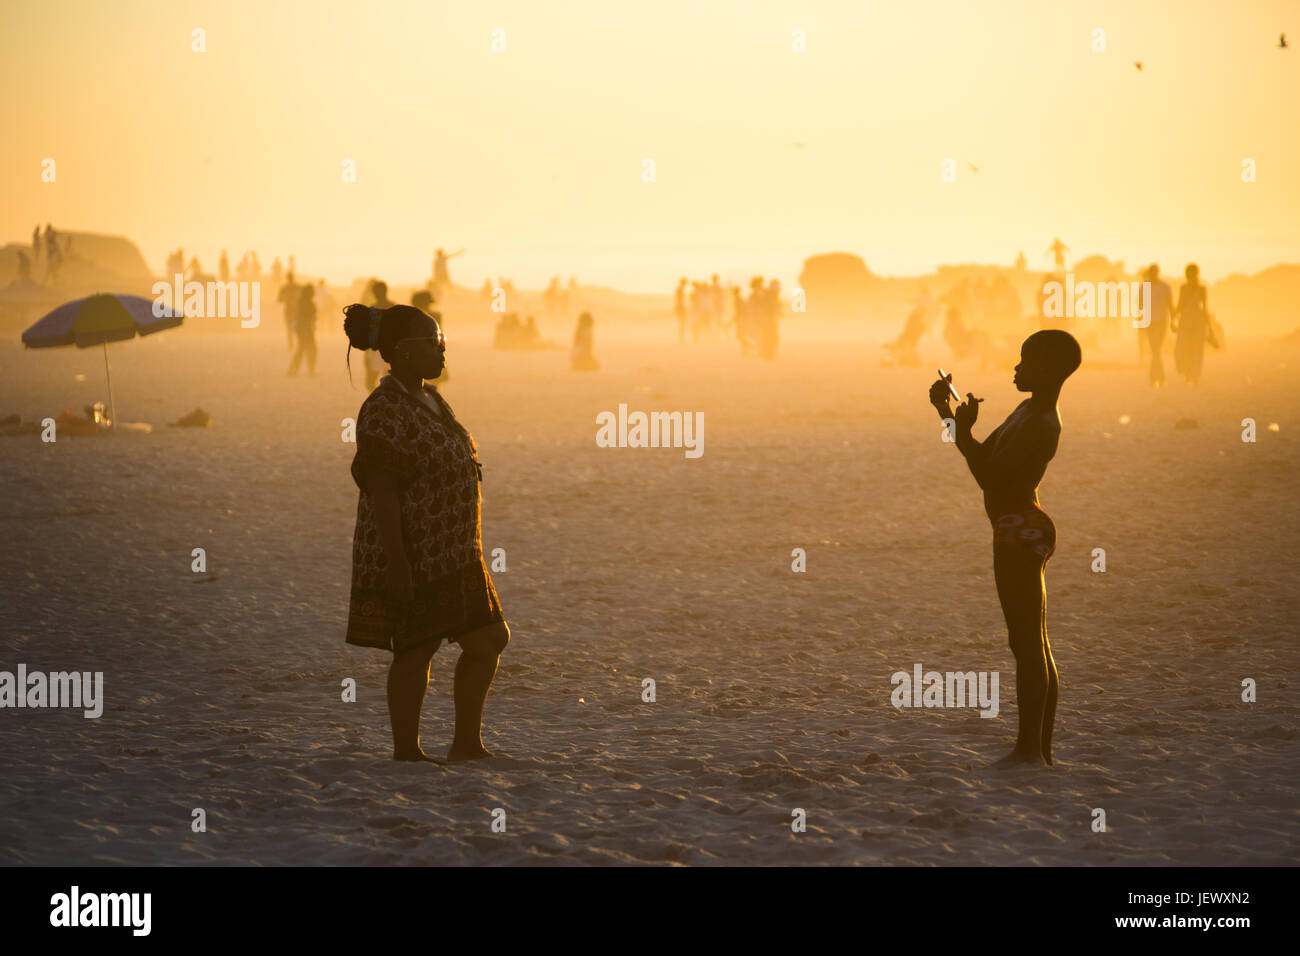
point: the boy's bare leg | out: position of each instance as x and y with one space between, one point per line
1020 590
1053 689
480 654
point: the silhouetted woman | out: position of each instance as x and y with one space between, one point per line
1191 322
1008 465
582 357
418 576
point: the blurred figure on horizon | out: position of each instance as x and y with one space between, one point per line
740 320
965 342
304 326
325 303
717 303
755 308
1058 249
288 297
701 319
903 348
679 310
582 357
422 299
769 330
1158 312
441 277
1191 322
223 268
418 574
53 254
377 293
553 299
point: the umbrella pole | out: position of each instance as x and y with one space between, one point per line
112 408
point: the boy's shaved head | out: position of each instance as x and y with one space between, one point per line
1059 350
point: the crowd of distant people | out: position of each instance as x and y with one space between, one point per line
56 248
982 320
512 334
709 309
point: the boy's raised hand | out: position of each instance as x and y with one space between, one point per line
968 411
940 394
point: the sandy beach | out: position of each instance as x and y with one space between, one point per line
223 690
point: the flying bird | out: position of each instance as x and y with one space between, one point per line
1138 64
798 145
973 167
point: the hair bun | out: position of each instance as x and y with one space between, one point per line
356 325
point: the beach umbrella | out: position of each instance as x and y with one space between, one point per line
98 320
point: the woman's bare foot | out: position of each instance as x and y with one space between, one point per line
416 755
457 753
1018 759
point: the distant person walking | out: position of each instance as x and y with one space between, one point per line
582 357
770 332
1058 249
304 326
378 296
1192 324
288 297
418 575
1159 307
740 324
325 303
441 277
679 310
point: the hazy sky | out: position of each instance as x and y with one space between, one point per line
532 158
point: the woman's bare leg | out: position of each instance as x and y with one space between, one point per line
408 679
480 654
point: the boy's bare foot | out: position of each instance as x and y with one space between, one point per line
456 753
1018 759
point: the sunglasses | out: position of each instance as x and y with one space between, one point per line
440 339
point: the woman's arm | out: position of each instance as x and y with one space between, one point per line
382 487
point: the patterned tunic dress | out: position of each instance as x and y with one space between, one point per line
435 464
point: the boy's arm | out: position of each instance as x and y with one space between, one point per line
964 419
975 452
